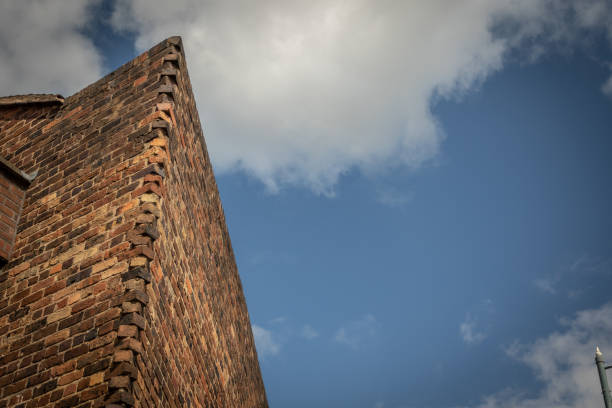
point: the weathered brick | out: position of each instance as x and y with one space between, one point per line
97 366
39 378
46 387
131 307
70 377
133 319
123 355
76 351
26 372
58 315
128 331
69 321
108 315
67 402
84 304
119 382
123 288
92 392
56 337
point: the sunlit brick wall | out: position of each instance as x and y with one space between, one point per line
122 288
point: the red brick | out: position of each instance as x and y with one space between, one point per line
70 377
87 323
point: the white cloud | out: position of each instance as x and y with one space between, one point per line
308 332
589 266
42 49
301 92
468 331
358 333
563 363
265 342
546 285
278 320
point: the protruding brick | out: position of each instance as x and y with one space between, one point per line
136 295
119 382
122 288
137 272
123 355
122 396
128 331
131 344
126 368
131 307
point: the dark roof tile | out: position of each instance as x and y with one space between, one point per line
31 99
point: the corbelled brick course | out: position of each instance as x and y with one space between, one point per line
122 288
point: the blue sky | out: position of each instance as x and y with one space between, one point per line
420 211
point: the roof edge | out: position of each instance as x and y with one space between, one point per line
169 41
57 99
22 178
31 99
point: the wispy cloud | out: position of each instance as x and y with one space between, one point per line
563 363
587 265
308 332
469 332
276 333
265 342
546 284
358 333
278 320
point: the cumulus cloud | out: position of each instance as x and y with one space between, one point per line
358 333
469 332
265 342
43 49
299 93
563 363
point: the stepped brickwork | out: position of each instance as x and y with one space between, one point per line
119 286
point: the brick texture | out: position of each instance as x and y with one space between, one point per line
122 288
11 200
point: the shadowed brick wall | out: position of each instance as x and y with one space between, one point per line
12 192
122 288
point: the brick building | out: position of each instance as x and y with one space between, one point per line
118 284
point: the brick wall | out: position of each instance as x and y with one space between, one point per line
122 288
198 331
11 199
